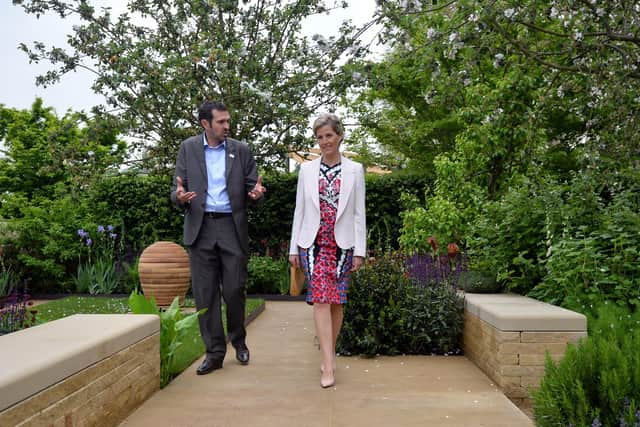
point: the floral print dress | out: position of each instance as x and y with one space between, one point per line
326 266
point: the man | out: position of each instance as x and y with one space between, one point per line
215 180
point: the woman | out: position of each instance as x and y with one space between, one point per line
328 237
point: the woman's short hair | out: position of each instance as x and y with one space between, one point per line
331 120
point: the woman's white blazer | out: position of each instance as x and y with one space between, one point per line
351 225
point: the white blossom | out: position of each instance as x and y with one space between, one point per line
114 148
453 37
509 13
498 60
428 99
432 33
322 42
356 76
578 36
554 12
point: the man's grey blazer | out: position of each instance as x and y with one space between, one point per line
241 176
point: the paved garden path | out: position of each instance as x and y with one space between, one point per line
281 387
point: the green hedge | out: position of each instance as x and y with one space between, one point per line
40 241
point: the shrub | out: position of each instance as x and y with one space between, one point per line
434 320
388 314
508 239
267 275
598 380
43 243
440 219
596 263
151 218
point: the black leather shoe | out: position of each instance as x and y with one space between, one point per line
209 364
242 354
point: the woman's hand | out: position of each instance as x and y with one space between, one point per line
356 263
294 260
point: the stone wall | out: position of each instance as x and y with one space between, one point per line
82 370
514 356
101 395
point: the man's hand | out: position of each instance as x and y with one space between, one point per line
182 196
258 191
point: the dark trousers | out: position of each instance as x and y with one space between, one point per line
219 268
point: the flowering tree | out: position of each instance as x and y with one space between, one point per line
159 60
568 73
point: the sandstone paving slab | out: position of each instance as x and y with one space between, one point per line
281 387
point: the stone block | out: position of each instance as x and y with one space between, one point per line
553 337
537 359
520 371
531 348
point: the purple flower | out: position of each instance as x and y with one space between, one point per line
596 422
113 235
89 241
110 227
82 233
100 229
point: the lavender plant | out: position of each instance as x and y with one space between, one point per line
436 268
16 311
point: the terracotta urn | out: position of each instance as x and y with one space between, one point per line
164 272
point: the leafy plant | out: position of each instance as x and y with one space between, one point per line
84 277
598 380
509 237
479 282
373 320
105 279
98 273
176 333
597 259
7 278
390 313
267 275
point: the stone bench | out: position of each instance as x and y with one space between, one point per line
85 369
507 336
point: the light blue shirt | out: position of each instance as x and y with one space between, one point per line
217 195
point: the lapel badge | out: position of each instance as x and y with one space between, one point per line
232 155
